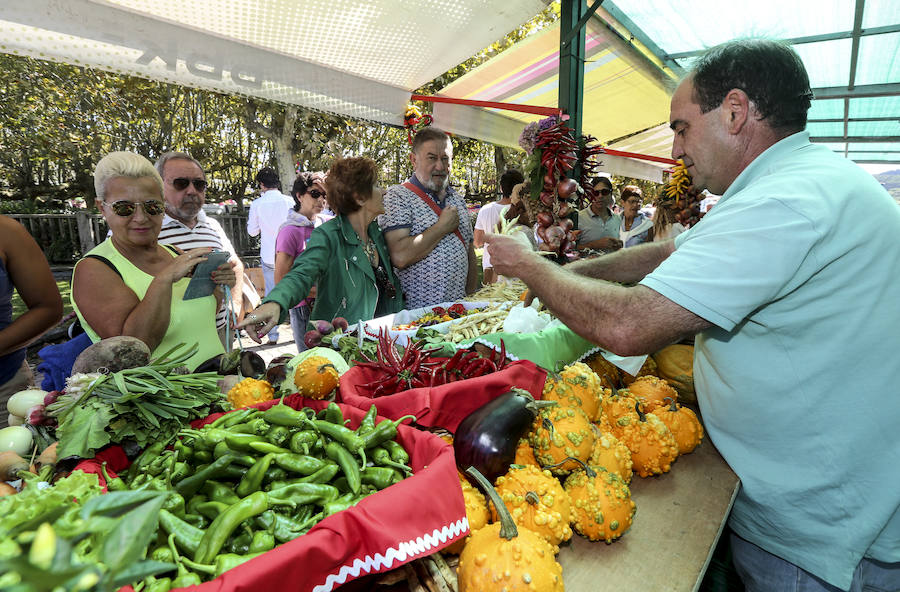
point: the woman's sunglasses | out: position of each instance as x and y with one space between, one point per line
315 193
181 183
152 207
604 191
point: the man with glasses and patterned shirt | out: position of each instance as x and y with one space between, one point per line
187 226
428 228
598 224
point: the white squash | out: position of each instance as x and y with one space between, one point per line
16 438
22 401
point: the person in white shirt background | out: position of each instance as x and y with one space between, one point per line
489 216
267 213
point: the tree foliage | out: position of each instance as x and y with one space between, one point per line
58 120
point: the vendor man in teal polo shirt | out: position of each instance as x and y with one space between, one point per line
791 285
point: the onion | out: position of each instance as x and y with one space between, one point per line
14 420
16 438
566 187
22 401
544 219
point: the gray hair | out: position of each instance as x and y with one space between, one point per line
173 155
428 134
123 164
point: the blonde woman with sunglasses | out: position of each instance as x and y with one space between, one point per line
132 285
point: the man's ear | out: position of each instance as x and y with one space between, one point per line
736 109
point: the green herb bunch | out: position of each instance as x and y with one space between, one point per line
145 404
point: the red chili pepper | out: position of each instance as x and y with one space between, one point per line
452 362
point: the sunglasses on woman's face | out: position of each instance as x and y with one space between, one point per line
152 207
181 183
315 193
603 191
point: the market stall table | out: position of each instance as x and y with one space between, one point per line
680 516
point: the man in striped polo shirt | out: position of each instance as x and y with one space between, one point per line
187 226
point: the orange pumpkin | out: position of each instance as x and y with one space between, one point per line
316 377
477 513
602 508
652 445
612 455
536 501
675 363
562 433
525 454
576 386
683 424
614 406
651 392
502 556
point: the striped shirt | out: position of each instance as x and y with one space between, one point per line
207 232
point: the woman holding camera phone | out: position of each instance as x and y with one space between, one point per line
130 284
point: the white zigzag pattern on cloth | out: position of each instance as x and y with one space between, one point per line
403 551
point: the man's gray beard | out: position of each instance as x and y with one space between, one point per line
430 184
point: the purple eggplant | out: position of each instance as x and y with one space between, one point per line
487 438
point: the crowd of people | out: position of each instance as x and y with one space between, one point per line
785 287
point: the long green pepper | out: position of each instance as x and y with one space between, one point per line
221 528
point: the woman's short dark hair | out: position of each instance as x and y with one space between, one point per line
302 184
770 72
630 190
348 180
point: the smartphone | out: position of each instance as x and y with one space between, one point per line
201 283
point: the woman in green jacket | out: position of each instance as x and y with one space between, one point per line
346 258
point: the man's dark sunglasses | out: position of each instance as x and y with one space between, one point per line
181 183
316 194
152 207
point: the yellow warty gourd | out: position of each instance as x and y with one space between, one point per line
250 391
602 508
536 501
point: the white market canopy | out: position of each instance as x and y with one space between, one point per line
636 50
363 59
353 58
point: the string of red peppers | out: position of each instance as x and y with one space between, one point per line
558 149
416 368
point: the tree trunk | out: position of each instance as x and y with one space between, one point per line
499 162
281 144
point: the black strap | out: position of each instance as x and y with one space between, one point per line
106 261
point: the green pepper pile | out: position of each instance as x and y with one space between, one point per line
252 479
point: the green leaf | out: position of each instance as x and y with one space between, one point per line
129 539
139 571
157 410
116 503
83 431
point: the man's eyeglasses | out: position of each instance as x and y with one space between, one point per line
635 201
384 283
315 193
181 183
152 207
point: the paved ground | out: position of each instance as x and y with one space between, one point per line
268 352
